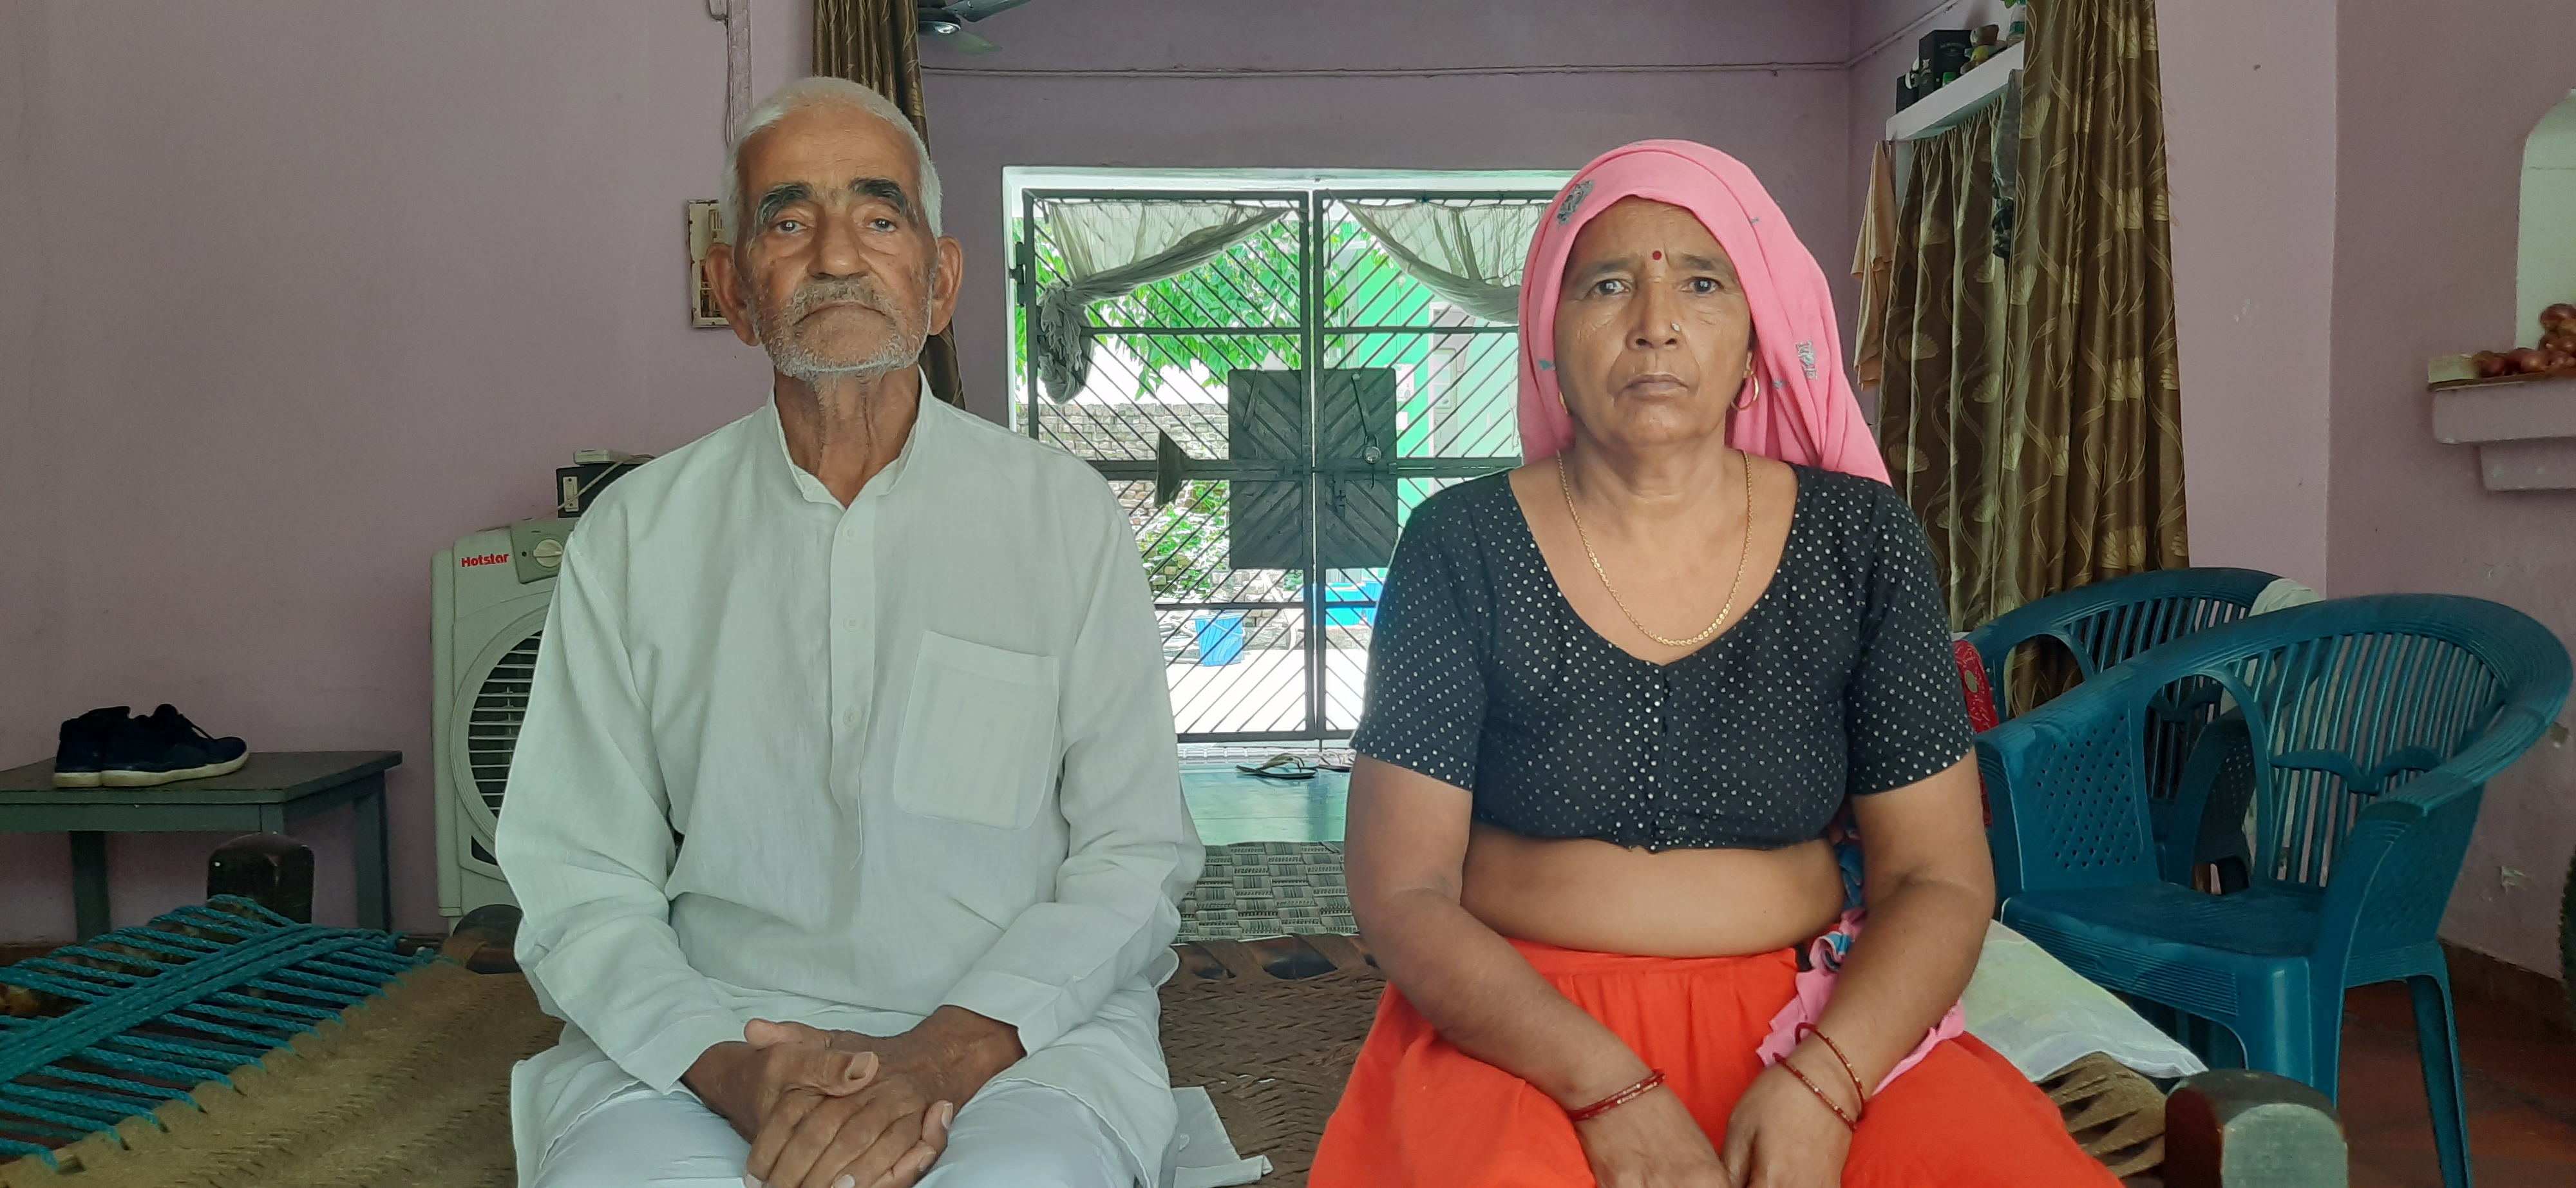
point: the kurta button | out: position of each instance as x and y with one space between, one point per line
849 534
852 624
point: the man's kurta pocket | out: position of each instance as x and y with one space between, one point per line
979 734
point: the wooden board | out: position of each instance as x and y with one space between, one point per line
271 777
2444 373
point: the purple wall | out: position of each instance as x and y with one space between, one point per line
29 603
299 292
33 871
2429 181
2253 249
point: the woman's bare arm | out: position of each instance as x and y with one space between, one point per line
1930 889
1407 846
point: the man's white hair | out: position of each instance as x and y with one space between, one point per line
812 92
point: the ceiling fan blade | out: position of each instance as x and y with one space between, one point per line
976 10
960 40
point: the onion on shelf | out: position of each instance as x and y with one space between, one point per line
2555 355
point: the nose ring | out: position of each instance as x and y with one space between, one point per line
1677 327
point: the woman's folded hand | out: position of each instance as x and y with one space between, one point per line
1652 1142
1781 1136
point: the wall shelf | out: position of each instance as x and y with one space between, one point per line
1952 105
2525 430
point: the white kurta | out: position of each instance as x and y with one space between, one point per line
788 760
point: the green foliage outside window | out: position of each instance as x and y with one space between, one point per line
1184 544
1253 285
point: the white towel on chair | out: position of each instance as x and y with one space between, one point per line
2043 1016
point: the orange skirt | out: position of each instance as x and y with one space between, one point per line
1419 1113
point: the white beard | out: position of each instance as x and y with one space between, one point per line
793 358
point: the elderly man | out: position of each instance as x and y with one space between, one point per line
850 716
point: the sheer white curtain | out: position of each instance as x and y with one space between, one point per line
1469 253
1112 248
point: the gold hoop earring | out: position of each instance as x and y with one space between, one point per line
1740 403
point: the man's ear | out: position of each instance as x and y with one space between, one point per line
944 283
733 296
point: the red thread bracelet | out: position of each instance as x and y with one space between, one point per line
1653 1079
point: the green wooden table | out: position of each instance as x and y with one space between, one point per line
274 790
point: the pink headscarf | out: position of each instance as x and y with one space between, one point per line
1800 404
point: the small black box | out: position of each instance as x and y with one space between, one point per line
577 486
1945 51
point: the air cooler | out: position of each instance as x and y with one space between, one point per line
488 599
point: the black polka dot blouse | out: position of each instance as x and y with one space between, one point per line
1837 681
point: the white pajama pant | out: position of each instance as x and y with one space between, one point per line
1015 1134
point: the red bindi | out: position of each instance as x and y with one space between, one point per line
1659 255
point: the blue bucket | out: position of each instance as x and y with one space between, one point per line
1220 637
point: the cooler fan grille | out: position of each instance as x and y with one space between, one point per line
492 726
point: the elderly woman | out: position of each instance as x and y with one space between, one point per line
1618 697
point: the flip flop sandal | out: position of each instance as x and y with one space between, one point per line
1279 767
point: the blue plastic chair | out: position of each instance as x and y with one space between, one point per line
2103 625
2373 725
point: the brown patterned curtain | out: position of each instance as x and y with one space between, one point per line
877 43
2031 406
1942 363
2096 476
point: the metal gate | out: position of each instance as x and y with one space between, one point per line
1266 493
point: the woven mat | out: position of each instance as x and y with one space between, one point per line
414 1090
1260 889
1272 1053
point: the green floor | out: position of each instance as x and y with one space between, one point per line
1232 807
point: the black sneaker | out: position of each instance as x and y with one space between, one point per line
82 753
166 748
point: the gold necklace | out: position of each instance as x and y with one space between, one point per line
1707 633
